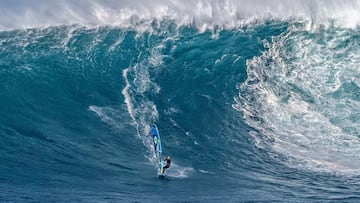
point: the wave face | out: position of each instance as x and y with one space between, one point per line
254 101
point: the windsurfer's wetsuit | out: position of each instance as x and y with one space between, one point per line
167 165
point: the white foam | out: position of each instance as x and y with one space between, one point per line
114 117
303 94
126 94
178 171
119 40
67 39
139 84
205 15
142 112
206 172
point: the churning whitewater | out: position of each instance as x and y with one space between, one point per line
255 101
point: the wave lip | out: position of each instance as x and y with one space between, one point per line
204 15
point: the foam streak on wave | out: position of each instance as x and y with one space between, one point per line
125 92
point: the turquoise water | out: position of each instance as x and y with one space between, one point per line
265 110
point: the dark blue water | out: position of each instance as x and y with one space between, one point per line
265 112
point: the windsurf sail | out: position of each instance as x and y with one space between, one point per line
157 149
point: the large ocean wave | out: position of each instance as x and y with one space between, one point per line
254 101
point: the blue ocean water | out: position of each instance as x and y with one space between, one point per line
250 106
